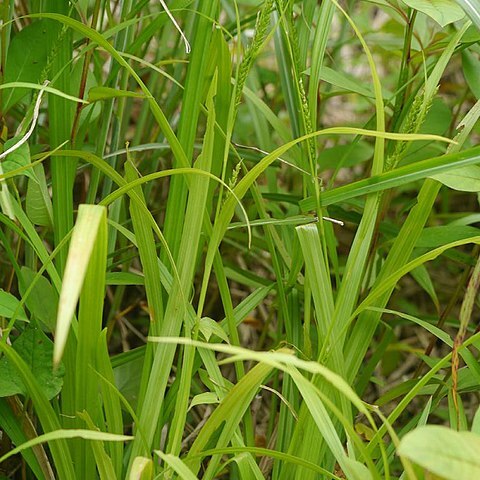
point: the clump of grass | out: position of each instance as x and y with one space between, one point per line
173 308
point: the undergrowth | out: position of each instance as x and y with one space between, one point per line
239 239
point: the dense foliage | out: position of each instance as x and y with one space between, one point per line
239 239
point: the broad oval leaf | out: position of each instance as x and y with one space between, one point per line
465 179
9 305
471 71
36 206
210 327
442 11
450 454
43 298
432 237
26 59
18 158
205 398
36 349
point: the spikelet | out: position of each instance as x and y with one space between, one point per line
415 118
233 179
306 115
261 27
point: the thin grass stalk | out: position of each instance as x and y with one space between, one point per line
148 257
60 124
355 267
111 403
398 255
193 95
176 304
120 44
324 19
89 328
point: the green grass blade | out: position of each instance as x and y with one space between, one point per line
100 40
111 402
176 305
230 411
318 276
148 257
87 227
194 92
102 461
472 8
60 435
89 245
398 177
60 125
284 457
142 469
324 23
177 465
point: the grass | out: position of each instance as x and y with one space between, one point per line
239 240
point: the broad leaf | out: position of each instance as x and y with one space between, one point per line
442 11
36 207
205 398
42 301
465 179
8 306
36 349
432 237
26 59
344 81
450 454
18 158
471 71
210 327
